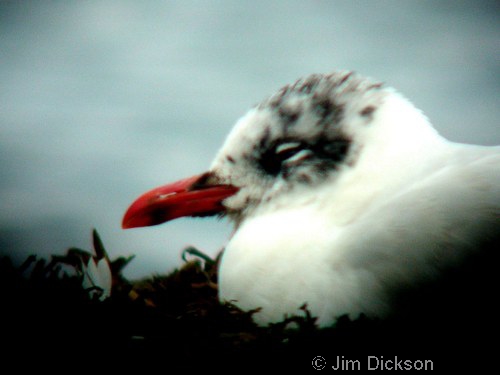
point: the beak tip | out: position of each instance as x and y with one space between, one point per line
130 220
126 224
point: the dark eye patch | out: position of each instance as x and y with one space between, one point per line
327 153
272 160
335 151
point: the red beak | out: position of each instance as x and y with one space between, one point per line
193 196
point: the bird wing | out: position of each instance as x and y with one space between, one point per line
432 225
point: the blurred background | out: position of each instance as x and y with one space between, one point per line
103 100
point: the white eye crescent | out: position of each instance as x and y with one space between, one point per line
292 153
298 157
287 147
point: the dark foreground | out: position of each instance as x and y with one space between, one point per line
175 322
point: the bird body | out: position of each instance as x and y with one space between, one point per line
343 196
355 264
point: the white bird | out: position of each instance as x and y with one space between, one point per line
343 197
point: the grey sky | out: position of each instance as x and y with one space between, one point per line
102 100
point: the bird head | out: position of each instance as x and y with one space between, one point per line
308 134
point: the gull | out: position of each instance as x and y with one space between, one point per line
343 197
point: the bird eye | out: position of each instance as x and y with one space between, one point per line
283 155
287 150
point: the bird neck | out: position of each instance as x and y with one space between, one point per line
394 150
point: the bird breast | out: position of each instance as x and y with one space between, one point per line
281 260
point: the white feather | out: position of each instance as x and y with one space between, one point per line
412 205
